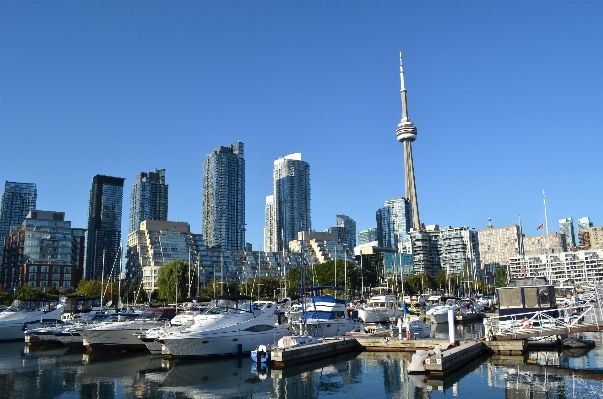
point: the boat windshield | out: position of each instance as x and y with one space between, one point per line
223 310
321 315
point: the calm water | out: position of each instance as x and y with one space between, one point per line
46 372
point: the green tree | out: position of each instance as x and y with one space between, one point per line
500 277
89 288
173 278
219 288
26 292
441 279
419 283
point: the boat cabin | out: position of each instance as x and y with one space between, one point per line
525 296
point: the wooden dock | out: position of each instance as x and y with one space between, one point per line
308 353
452 359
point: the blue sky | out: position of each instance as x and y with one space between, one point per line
507 97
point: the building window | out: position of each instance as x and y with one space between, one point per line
44 269
67 277
66 284
56 277
32 284
67 270
32 277
33 269
44 276
56 269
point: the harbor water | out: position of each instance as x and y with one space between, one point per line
58 372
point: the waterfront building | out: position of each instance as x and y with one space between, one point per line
406 133
269 225
148 199
44 251
382 264
458 248
290 209
154 244
423 246
224 197
394 221
554 243
104 227
321 247
596 237
349 226
584 224
367 235
496 246
583 268
566 227
18 199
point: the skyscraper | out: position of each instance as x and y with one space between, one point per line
104 227
584 224
291 206
566 226
18 199
350 229
407 133
393 223
224 197
149 198
367 235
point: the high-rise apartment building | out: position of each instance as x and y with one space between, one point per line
394 221
459 252
566 227
42 252
496 246
367 235
291 202
224 197
349 226
584 224
554 243
423 246
148 199
18 199
104 227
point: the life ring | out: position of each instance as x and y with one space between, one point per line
526 323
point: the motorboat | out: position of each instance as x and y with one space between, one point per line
578 343
120 335
439 313
380 309
24 312
227 329
323 316
70 336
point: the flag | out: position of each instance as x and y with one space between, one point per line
541 226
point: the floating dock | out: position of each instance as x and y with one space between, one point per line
452 359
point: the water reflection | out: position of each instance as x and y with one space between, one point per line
61 373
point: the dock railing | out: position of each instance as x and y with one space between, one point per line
541 322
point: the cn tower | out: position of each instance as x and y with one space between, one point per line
406 133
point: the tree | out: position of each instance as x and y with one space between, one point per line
173 278
500 277
218 288
26 292
419 283
441 279
89 288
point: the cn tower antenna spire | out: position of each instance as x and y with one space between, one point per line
406 133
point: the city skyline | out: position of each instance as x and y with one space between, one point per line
483 79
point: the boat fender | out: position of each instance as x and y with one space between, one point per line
408 333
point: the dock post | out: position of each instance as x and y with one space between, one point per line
451 337
399 328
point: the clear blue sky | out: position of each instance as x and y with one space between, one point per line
507 97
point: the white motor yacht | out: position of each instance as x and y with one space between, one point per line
227 329
24 312
380 309
120 335
323 316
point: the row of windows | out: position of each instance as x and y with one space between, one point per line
44 269
44 277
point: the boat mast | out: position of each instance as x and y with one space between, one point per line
546 227
102 281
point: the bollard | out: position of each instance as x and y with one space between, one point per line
451 326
